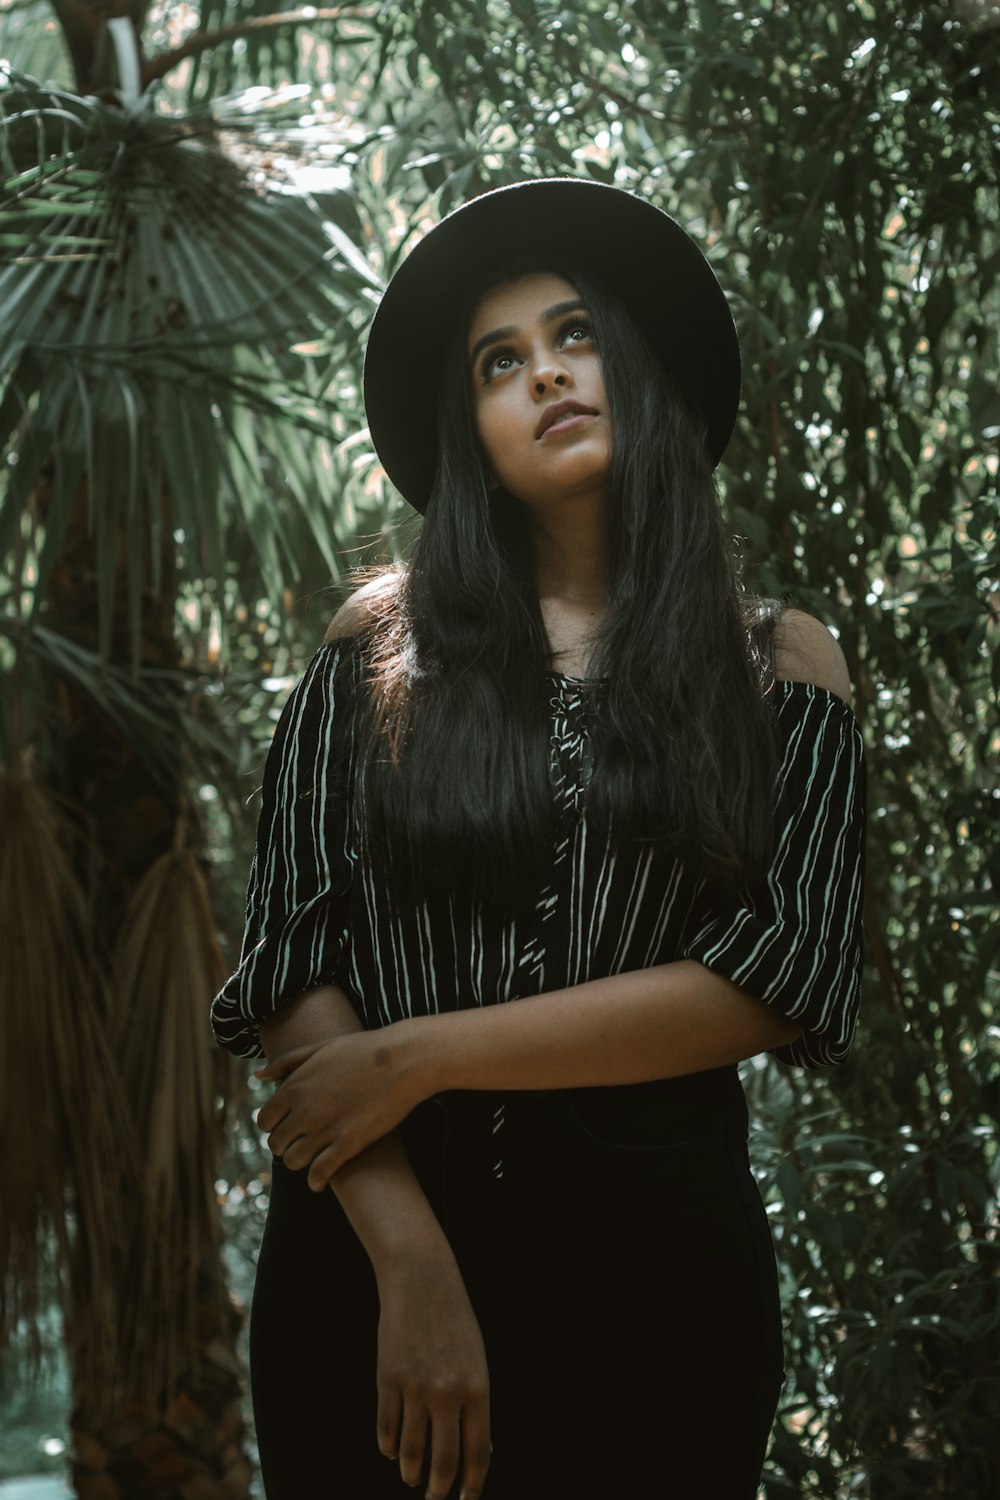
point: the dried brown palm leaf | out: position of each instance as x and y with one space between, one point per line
63 1132
167 965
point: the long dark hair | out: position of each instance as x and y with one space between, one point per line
455 781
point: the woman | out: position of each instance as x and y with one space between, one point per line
546 848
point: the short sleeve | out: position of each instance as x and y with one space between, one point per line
297 900
796 941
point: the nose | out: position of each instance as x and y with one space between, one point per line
549 374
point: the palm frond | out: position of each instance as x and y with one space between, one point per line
159 713
61 1114
32 41
281 41
167 961
163 290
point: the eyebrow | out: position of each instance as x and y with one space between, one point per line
496 335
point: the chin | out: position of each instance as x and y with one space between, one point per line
569 482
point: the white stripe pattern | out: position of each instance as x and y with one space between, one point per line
317 914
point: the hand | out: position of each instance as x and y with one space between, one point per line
334 1098
432 1372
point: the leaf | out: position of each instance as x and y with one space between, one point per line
789 1184
52 1014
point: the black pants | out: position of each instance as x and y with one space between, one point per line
621 1268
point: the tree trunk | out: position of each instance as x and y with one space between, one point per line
167 1421
187 1447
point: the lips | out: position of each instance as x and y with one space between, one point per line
558 410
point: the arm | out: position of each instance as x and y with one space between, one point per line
660 1022
297 900
676 1018
431 1362
378 1191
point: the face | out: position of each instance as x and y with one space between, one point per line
540 407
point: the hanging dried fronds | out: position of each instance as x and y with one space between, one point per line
167 963
61 1119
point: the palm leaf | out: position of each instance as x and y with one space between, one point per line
61 1115
167 961
31 40
138 360
275 49
160 713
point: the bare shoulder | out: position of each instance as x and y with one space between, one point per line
364 608
805 651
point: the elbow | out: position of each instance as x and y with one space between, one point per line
764 1026
785 1031
773 1027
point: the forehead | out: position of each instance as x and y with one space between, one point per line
519 302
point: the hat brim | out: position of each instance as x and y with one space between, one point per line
642 255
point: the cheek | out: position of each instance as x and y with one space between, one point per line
497 432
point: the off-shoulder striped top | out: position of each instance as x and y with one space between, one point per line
316 914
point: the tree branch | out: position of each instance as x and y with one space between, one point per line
202 41
78 31
138 10
84 28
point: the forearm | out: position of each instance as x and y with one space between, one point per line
431 1371
378 1189
313 1017
335 1099
629 1028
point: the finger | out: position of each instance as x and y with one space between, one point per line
326 1164
412 1440
287 1062
476 1448
300 1152
444 1453
390 1409
272 1113
281 1132
294 1145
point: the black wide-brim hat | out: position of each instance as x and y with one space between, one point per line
634 249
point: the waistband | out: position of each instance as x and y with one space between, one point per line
470 1137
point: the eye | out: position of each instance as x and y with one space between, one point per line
497 362
576 332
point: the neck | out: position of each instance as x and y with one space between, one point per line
571 552
571 562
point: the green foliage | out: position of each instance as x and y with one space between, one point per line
840 164
151 301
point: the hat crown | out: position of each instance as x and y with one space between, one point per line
629 245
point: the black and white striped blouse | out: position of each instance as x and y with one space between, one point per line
315 914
